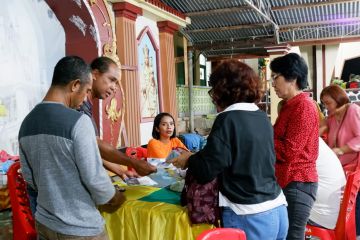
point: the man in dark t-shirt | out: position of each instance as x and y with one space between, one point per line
86 108
106 75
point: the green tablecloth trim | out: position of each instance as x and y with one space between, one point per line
163 195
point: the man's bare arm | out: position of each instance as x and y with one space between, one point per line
111 154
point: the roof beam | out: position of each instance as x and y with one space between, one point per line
214 11
216 58
305 5
344 21
245 43
237 27
268 18
323 41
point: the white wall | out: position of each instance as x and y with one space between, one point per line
253 63
331 53
306 53
208 72
31 42
145 132
142 22
346 51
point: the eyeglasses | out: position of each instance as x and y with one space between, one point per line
274 77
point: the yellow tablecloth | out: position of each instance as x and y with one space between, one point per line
141 220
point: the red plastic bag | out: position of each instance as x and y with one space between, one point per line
5 156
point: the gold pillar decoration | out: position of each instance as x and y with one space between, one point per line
92 2
113 114
110 50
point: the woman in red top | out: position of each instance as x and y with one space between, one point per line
296 140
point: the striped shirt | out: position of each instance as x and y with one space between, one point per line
60 159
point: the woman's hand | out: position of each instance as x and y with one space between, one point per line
181 161
338 151
342 150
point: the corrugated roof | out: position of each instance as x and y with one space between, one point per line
217 26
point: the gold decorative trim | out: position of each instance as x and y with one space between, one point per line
111 111
110 49
92 2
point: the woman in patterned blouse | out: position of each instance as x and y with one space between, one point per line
296 141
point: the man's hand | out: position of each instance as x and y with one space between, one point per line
125 174
142 167
130 174
117 200
120 170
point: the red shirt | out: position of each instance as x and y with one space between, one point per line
296 138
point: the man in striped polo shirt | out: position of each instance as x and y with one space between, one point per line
60 159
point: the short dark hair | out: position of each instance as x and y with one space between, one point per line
233 82
157 122
336 93
69 69
102 64
291 67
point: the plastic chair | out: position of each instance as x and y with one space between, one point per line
222 233
345 226
136 152
23 221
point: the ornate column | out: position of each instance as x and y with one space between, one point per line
167 61
125 17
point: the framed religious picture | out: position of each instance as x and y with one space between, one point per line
148 54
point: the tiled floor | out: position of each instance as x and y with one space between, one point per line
5 225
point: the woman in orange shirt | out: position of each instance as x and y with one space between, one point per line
164 140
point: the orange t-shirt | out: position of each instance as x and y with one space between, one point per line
158 149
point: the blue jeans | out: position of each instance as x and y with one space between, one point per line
300 197
269 225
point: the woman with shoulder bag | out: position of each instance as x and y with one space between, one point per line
240 154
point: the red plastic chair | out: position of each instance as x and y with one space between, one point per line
222 234
136 152
23 221
345 226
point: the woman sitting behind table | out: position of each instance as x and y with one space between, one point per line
240 153
342 125
164 140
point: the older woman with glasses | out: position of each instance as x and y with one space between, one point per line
296 141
